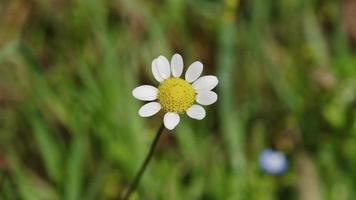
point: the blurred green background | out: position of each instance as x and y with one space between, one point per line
69 127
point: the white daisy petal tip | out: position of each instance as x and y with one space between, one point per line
171 120
206 98
145 93
194 71
149 109
196 112
155 72
177 65
205 83
163 66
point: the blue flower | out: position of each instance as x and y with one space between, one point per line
273 162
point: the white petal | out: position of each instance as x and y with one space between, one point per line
155 71
194 71
171 120
207 98
177 65
145 93
163 67
205 83
196 112
149 109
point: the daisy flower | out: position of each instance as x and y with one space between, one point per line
175 95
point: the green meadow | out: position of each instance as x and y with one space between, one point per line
69 125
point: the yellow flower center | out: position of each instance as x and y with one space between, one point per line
176 95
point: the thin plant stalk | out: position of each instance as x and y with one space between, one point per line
144 165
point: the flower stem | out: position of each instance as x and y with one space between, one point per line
149 156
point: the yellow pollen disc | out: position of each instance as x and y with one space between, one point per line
176 95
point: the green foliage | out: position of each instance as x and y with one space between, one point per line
69 127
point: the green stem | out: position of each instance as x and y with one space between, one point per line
149 156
